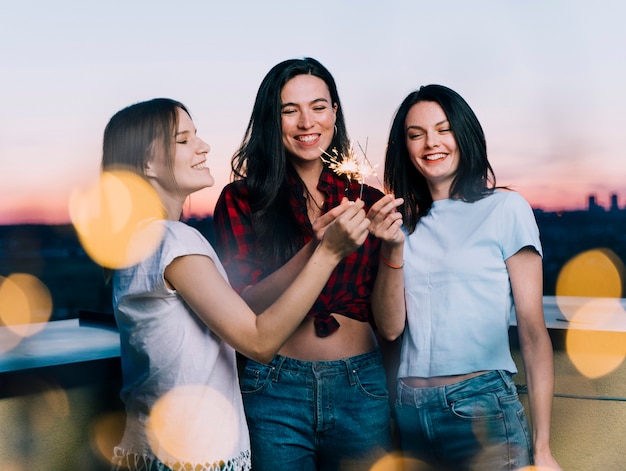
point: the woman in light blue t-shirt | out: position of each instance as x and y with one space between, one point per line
469 258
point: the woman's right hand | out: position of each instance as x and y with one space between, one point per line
347 231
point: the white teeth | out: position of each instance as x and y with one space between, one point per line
306 138
200 166
435 156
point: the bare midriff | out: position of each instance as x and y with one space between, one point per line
351 339
435 381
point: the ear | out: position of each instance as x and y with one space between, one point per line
149 169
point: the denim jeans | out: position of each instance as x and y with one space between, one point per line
476 424
319 415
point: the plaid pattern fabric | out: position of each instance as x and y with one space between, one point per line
349 288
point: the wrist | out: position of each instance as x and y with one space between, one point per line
392 255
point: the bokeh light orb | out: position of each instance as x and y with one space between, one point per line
397 461
596 353
113 219
193 424
594 273
588 293
25 304
106 432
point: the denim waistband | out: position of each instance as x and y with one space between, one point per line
443 395
332 367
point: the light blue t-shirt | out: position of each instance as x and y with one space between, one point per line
458 292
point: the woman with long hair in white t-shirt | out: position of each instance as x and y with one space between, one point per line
178 317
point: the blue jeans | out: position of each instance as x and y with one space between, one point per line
319 415
476 424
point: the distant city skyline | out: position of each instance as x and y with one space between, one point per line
545 79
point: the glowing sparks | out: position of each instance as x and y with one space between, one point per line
350 165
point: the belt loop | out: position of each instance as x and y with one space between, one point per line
508 382
443 397
351 370
275 366
400 388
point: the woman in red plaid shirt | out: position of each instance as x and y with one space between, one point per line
322 402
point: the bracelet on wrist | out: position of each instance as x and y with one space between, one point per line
389 264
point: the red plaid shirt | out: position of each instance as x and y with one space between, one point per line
349 287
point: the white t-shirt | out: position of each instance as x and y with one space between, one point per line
170 358
458 291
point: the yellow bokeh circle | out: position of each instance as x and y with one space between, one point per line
113 219
25 304
594 273
193 424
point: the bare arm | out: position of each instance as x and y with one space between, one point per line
388 301
525 272
261 295
198 281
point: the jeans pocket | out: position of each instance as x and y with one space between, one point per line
372 382
481 407
254 378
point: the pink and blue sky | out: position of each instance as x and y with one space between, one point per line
546 79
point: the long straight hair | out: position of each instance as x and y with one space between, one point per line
262 160
474 179
137 133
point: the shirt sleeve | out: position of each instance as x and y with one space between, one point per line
235 238
519 226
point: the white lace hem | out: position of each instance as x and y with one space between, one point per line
124 460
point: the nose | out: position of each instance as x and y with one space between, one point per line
432 140
306 120
203 148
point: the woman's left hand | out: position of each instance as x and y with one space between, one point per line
386 221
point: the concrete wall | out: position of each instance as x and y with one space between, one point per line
50 416
589 415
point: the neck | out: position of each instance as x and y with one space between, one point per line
172 204
439 191
309 171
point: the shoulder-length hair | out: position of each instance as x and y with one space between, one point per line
262 160
474 178
135 134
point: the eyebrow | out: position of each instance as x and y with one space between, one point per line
182 132
436 124
317 100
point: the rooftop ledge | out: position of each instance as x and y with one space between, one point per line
73 341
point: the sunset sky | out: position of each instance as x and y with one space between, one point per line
546 79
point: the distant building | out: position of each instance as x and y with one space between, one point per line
614 204
593 205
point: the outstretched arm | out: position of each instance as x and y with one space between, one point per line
262 294
525 272
198 281
388 302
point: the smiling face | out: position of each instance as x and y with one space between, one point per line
432 147
308 118
191 168
190 171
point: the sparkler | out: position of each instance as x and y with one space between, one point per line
350 165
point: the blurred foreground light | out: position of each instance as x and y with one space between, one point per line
596 353
595 278
193 424
106 432
594 273
398 462
112 219
25 304
535 468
